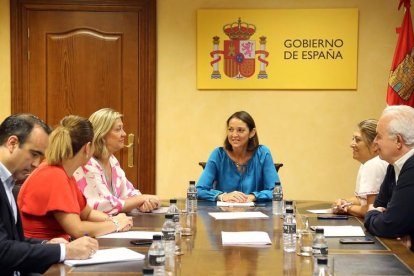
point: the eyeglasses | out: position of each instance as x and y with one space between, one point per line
238 130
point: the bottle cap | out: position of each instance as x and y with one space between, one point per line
319 230
289 211
156 237
277 183
289 202
169 216
322 261
148 270
192 182
173 200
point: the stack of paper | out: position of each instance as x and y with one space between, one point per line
237 215
136 235
249 238
321 211
235 204
108 256
342 231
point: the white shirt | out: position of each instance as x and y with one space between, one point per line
400 163
369 179
8 183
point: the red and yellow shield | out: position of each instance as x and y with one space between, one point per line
239 58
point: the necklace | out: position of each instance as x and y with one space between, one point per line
240 167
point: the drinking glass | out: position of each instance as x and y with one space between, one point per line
305 243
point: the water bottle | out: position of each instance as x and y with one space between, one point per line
288 205
168 232
289 264
277 199
173 209
289 232
319 245
321 268
156 255
191 198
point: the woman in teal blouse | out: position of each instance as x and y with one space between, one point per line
242 170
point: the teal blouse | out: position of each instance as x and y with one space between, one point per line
221 175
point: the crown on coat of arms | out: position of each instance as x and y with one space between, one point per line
239 30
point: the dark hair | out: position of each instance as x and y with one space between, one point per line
68 138
246 118
20 125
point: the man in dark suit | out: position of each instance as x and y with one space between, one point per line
23 141
392 215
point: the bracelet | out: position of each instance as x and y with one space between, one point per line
222 195
116 223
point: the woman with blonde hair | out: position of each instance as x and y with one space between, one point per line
371 172
50 202
101 179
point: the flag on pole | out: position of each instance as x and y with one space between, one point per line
401 80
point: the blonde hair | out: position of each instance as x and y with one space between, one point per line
368 129
102 122
68 138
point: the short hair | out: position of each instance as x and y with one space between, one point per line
401 122
20 125
368 129
253 142
68 138
102 122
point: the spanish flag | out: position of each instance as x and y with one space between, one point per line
401 80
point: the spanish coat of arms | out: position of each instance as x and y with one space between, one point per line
239 52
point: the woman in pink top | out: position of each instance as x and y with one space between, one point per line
102 180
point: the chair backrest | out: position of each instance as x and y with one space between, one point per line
277 165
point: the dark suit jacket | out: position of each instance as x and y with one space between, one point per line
398 219
16 252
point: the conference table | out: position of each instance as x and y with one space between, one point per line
202 252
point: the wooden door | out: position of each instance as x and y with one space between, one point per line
75 57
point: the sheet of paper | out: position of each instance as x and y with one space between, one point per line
159 210
245 238
109 256
235 204
321 211
136 235
237 215
342 231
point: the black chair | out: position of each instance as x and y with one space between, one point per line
277 165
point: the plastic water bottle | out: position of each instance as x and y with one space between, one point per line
173 209
277 199
168 232
319 245
289 232
156 255
321 268
191 198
